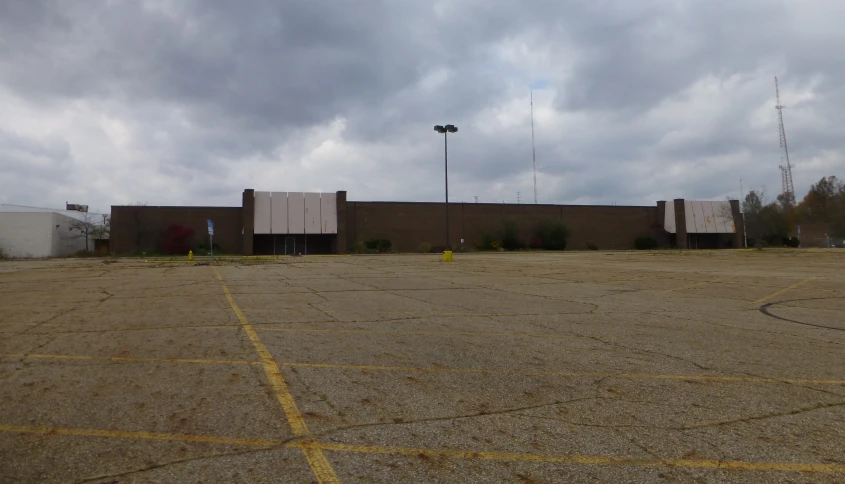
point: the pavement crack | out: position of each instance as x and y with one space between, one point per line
320 396
582 424
451 417
152 467
795 411
109 295
312 305
640 350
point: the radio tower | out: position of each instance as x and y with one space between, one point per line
786 170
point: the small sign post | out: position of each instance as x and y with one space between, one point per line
211 238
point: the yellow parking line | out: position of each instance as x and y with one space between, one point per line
398 332
645 376
309 446
129 359
122 434
320 466
584 459
437 369
99 327
781 291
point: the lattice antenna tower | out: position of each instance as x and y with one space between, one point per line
788 189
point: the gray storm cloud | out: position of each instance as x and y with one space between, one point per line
190 102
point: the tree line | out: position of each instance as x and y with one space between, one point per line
772 223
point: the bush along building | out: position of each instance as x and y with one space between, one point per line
281 223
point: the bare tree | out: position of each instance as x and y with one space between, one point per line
103 231
88 226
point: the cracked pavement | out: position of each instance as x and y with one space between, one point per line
524 367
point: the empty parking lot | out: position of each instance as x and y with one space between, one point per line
525 368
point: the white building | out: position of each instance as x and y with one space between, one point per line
32 232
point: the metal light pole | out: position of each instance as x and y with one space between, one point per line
445 130
741 201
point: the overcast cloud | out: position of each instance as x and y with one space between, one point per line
190 102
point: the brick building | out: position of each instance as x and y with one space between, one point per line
282 222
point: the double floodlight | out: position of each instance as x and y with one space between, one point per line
449 128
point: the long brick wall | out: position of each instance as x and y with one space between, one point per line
140 229
410 225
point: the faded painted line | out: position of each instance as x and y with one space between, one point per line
585 459
459 315
634 376
566 374
121 434
314 450
171 261
699 284
396 332
129 359
98 327
781 291
320 466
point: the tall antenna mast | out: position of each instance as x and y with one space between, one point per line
786 170
533 151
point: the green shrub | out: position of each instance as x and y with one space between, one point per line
791 241
378 245
3 255
487 241
510 235
358 247
552 234
645 243
83 253
425 248
592 246
205 249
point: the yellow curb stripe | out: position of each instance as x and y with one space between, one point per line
320 466
770 296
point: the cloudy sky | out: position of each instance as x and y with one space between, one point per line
189 102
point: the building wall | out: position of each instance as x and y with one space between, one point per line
141 229
409 225
816 234
26 235
63 241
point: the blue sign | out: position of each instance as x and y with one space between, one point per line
210 227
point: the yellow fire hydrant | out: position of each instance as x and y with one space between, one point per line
447 256
190 255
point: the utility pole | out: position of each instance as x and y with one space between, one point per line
518 200
476 199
